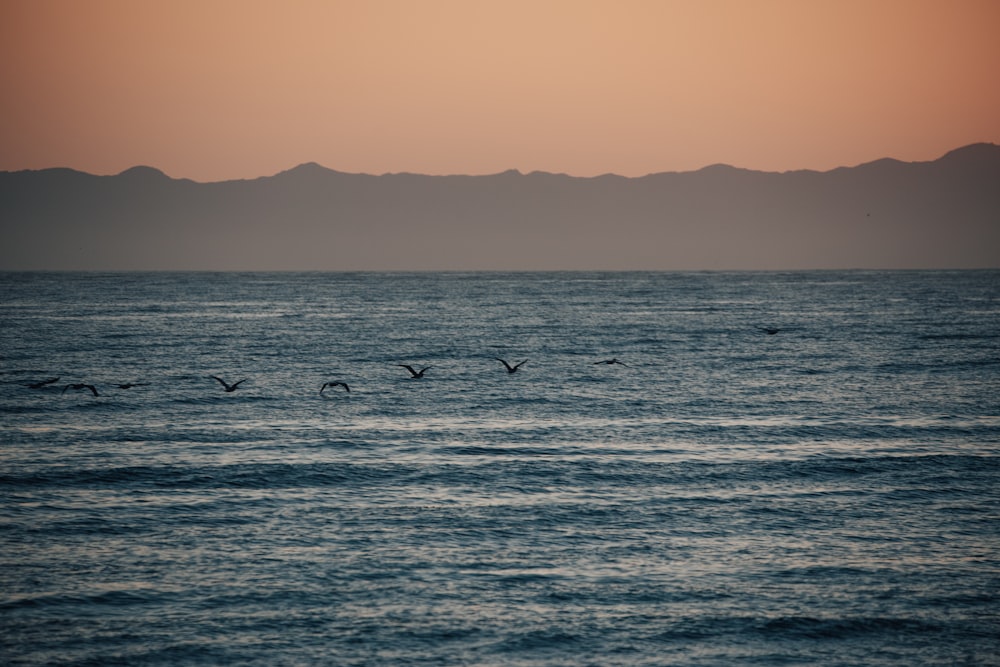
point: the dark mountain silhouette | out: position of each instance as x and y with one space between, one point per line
883 214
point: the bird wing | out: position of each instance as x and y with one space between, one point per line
92 389
236 384
520 364
221 381
504 363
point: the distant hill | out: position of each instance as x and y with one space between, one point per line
883 214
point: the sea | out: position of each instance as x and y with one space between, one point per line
778 468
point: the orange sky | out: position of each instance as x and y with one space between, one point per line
215 90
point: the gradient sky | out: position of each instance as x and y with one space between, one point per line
216 90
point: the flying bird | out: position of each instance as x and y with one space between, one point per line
229 387
93 390
39 385
511 369
415 373
334 384
610 362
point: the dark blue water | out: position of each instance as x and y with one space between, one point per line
826 495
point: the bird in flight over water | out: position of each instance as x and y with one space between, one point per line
80 385
415 373
610 362
334 384
770 331
39 385
229 387
511 369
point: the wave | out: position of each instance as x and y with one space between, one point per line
847 628
93 601
250 476
938 473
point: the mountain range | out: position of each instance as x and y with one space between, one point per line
939 214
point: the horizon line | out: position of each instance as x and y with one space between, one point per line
510 171
859 269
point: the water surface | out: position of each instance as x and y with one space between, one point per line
825 495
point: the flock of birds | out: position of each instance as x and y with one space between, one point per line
82 385
229 388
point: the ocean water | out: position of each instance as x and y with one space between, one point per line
825 495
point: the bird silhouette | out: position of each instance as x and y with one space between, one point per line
43 383
415 373
610 362
770 331
229 387
511 369
334 384
80 385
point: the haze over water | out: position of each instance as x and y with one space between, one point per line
823 495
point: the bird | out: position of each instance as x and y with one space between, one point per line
80 385
229 387
770 331
39 385
415 373
334 384
511 369
609 362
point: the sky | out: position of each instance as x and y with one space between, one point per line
216 90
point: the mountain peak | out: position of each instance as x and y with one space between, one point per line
306 168
142 171
973 152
